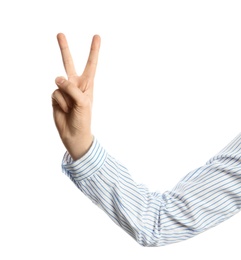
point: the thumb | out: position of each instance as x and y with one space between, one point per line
70 89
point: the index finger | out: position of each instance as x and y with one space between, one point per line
66 55
92 61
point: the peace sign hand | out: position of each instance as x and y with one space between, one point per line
72 101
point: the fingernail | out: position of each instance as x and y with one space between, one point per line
60 80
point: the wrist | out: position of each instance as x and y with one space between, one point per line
78 147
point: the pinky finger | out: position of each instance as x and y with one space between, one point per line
59 100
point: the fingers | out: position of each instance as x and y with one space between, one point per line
66 55
59 100
91 65
90 68
71 90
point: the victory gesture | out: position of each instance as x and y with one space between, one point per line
72 101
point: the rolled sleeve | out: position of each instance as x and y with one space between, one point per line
87 165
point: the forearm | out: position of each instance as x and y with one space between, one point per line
202 199
107 183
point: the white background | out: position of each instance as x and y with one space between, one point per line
167 98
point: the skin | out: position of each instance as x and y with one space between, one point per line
72 101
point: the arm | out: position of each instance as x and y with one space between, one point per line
204 198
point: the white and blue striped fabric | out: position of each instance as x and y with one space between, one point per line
204 198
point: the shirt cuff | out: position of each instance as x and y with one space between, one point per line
87 165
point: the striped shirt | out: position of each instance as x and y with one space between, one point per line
204 198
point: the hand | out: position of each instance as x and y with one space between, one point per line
72 101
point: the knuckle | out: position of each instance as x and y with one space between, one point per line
55 93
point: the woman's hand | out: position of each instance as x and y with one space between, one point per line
72 101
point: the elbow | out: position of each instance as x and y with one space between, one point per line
151 240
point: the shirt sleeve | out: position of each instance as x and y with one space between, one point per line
202 199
